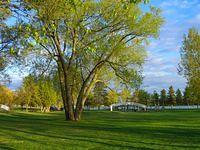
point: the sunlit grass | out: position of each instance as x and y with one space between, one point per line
101 130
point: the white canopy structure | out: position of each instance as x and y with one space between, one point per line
4 108
128 106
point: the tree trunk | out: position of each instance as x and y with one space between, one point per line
78 113
65 91
68 105
79 108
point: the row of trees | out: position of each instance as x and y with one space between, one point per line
106 97
34 92
170 97
42 93
37 92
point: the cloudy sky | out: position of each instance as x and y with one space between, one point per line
160 69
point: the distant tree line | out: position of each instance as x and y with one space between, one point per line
167 98
41 93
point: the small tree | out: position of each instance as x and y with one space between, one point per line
187 96
47 94
37 92
144 97
163 97
20 97
171 96
125 94
179 97
156 98
6 96
112 98
30 92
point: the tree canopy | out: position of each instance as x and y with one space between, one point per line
82 39
190 62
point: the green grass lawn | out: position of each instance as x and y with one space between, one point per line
101 130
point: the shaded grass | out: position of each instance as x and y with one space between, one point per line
101 130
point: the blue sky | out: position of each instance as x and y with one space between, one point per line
160 69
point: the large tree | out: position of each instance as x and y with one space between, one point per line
82 39
4 14
190 62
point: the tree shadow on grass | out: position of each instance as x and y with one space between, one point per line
100 141
39 125
111 142
5 147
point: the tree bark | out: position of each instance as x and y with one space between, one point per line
67 99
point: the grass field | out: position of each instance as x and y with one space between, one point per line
101 130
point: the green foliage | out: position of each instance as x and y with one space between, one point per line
83 39
4 14
102 96
37 93
155 98
179 97
3 63
171 96
163 97
138 1
90 100
52 15
6 96
112 98
190 62
144 97
187 96
4 11
125 94
48 95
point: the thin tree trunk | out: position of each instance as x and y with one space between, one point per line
84 92
63 92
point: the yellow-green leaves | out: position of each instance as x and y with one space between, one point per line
28 28
190 61
12 51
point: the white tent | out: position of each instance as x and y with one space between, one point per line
4 108
133 105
